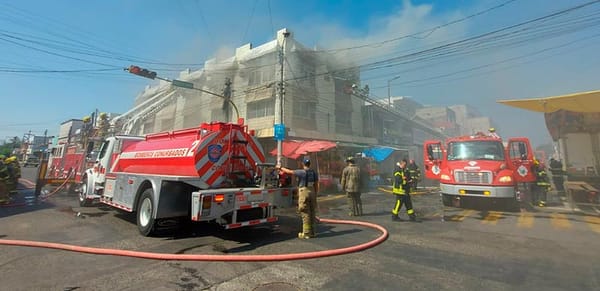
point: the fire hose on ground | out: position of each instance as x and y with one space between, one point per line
214 258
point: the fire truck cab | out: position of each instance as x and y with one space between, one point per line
480 167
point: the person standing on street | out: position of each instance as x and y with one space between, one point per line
556 168
351 185
308 188
541 186
4 177
401 190
415 174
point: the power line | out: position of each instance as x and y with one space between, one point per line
250 20
428 32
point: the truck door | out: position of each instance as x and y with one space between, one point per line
433 157
521 157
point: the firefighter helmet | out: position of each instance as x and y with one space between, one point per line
492 129
350 160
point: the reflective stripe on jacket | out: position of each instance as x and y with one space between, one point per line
399 183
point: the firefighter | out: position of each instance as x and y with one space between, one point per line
541 184
415 174
557 174
4 177
308 188
492 132
16 168
351 185
401 190
12 180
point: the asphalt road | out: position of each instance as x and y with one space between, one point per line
479 249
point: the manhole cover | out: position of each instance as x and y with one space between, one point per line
276 286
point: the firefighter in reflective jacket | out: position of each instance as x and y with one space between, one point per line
4 177
308 187
14 169
415 174
542 184
401 190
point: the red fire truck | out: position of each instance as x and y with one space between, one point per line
212 173
481 167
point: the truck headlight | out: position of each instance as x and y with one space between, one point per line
445 177
505 179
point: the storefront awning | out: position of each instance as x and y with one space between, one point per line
576 102
294 149
379 153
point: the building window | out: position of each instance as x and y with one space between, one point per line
305 109
261 76
261 108
304 114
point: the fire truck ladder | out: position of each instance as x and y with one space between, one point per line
238 162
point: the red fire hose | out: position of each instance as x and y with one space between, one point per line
223 258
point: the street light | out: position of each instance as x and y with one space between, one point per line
390 90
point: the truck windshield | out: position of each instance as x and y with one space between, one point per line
476 150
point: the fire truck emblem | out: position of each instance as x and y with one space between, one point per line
435 170
472 163
215 151
522 170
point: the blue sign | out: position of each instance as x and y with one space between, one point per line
279 131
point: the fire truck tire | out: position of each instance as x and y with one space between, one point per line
446 200
83 201
145 213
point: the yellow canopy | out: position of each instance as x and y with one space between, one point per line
576 102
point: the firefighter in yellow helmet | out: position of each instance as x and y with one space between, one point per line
308 187
492 132
13 165
4 177
401 190
12 180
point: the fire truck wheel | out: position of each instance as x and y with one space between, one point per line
446 200
145 212
83 201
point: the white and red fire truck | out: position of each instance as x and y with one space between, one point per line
212 173
481 167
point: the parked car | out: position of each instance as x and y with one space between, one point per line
32 162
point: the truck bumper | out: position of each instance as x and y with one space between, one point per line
478 191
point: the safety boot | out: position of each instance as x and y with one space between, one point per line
413 218
395 218
302 235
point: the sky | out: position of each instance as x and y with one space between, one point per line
64 59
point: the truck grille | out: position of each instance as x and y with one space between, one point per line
482 177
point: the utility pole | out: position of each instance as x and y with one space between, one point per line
279 128
390 90
27 142
227 95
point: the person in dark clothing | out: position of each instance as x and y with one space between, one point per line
401 190
308 188
556 169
